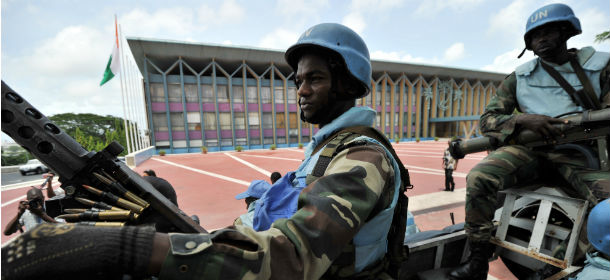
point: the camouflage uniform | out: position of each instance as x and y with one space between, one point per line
515 164
316 242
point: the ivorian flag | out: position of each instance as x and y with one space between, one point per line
114 63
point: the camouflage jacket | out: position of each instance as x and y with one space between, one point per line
498 120
316 242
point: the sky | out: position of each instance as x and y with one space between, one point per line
54 52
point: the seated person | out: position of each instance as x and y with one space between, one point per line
149 172
253 193
275 176
30 213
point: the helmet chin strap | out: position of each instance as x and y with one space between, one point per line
522 52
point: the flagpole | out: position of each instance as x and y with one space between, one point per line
122 88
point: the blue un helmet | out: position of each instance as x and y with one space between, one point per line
341 40
598 227
552 13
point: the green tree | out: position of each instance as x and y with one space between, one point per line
15 155
93 132
602 36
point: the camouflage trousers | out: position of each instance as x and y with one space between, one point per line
516 165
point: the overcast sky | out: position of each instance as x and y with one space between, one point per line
54 52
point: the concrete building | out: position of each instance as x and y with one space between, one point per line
222 97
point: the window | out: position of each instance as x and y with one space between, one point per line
209 120
280 120
238 94
240 120
253 120
292 95
252 95
223 94
191 93
279 95
156 92
175 93
225 120
388 96
160 121
177 120
265 95
267 120
378 96
208 94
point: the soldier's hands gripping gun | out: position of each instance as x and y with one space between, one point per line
589 125
76 167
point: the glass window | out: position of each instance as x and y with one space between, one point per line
267 120
177 120
194 126
223 93
378 120
160 121
238 94
265 95
253 120
156 92
388 96
175 93
368 100
240 120
208 94
378 96
279 95
209 120
191 93
252 96
280 120
225 120
293 120
192 117
292 95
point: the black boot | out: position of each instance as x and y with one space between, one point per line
478 264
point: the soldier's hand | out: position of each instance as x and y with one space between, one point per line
541 124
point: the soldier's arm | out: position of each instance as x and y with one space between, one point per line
331 211
498 120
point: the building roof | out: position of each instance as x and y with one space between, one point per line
164 53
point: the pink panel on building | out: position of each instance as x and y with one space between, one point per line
304 131
254 133
192 107
252 107
238 107
194 134
240 133
210 134
224 107
268 132
266 107
292 107
158 106
208 107
280 132
178 135
161 135
175 107
226 134
279 107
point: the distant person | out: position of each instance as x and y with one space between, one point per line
251 195
167 190
51 193
275 176
449 164
150 172
30 213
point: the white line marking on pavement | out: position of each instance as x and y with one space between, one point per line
441 171
295 150
291 159
13 201
265 172
205 172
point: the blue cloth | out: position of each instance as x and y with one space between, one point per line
536 88
256 189
596 268
280 201
246 219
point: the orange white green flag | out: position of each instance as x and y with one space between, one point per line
114 63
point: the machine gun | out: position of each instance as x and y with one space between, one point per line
77 167
589 125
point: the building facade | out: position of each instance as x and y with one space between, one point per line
222 97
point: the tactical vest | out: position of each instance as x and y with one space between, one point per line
536 89
376 236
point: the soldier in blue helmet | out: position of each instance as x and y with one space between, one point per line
350 206
598 233
559 81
